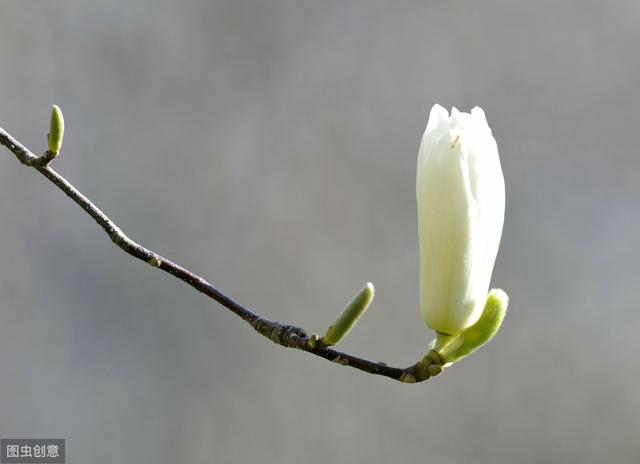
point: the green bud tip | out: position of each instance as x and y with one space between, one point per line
56 130
349 317
473 337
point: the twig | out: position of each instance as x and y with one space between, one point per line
283 334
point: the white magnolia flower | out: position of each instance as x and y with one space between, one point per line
460 193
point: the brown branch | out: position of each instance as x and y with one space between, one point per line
283 334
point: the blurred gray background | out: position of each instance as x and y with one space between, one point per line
271 147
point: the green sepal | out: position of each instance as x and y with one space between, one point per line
349 317
473 337
442 340
56 130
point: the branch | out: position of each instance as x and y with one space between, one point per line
285 335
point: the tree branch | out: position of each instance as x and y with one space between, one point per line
285 335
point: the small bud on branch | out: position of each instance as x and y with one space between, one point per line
349 317
56 130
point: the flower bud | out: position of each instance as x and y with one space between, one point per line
460 196
56 130
349 317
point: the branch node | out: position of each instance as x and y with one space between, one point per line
407 377
43 160
312 341
340 360
429 366
154 261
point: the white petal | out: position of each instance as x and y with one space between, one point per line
479 117
460 196
438 115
